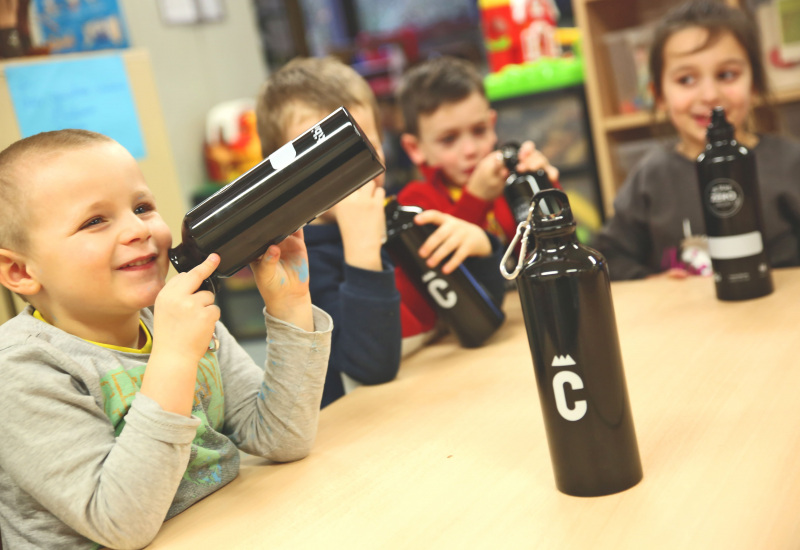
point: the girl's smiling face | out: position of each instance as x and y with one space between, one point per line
699 75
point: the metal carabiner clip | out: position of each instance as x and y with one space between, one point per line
523 230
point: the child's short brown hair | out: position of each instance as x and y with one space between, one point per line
16 163
321 83
433 83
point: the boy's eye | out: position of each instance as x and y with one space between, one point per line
685 80
479 131
94 221
143 208
448 139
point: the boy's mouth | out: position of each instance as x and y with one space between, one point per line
139 263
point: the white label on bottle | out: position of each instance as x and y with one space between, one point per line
283 157
735 246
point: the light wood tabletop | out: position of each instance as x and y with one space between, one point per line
453 453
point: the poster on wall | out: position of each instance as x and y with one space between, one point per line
81 25
90 94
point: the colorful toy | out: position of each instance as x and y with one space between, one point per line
231 145
518 31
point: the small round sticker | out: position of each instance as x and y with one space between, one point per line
724 197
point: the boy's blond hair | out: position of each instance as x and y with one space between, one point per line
320 83
433 83
17 162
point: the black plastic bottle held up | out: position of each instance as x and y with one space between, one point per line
458 297
274 199
569 316
726 172
521 187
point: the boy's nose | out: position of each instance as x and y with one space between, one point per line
134 229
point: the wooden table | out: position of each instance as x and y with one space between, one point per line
453 453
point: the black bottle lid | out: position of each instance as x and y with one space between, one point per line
398 217
719 129
556 201
510 153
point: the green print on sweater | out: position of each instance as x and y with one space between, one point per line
120 387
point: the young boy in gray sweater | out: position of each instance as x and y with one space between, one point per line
115 415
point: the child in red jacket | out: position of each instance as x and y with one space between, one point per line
450 136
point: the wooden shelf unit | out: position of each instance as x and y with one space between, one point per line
610 127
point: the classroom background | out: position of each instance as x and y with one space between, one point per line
175 80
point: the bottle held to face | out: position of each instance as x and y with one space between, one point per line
291 187
520 188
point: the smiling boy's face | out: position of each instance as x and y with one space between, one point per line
97 247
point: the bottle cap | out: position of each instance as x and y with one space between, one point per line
556 203
719 129
510 152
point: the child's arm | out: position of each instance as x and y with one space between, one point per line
183 328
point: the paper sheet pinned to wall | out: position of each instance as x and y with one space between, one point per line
91 94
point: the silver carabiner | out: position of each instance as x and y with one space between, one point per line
523 230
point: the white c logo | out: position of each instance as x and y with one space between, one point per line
561 379
435 288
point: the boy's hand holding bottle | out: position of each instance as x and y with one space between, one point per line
281 275
183 329
488 179
454 236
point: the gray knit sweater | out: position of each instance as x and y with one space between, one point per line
86 461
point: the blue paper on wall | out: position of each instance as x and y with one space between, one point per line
91 94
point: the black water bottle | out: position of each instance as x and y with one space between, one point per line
520 188
569 315
274 199
729 192
458 297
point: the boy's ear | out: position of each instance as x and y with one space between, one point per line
410 144
14 274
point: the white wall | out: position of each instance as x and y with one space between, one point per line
196 67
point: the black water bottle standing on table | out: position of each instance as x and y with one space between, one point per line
458 297
726 172
274 199
569 316
521 187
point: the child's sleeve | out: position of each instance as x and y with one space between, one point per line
625 239
60 450
273 412
365 309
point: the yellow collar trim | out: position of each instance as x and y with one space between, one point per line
146 348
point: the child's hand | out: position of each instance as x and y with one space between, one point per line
531 160
362 223
456 236
183 327
184 317
489 177
281 275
